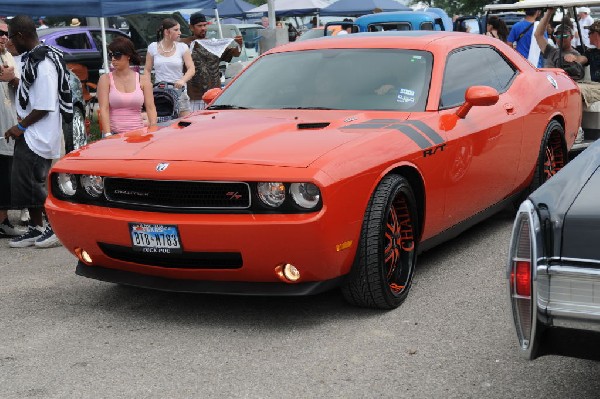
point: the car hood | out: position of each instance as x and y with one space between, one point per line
281 138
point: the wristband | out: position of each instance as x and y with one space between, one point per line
107 134
20 127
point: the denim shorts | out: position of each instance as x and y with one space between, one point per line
5 176
29 175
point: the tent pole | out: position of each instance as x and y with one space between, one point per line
104 45
271 13
218 24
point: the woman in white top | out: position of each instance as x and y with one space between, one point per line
168 57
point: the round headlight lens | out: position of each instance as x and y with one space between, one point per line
272 193
67 184
93 185
306 195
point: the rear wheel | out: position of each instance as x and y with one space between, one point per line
387 251
75 132
553 155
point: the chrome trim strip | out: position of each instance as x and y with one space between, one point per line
579 260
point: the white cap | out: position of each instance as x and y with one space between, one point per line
583 9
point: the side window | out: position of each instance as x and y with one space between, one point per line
385 26
76 41
97 36
426 26
474 66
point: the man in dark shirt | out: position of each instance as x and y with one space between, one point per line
565 56
591 56
207 74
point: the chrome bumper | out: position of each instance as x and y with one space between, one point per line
569 296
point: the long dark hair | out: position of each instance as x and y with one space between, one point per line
500 27
166 23
125 47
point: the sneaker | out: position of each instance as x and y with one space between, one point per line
28 238
24 215
8 230
48 239
580 137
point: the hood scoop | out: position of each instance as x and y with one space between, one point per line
313 125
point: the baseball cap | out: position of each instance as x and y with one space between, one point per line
197 18
595 27
583 9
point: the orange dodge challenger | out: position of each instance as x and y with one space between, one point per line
327 162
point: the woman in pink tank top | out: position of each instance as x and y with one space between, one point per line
121 93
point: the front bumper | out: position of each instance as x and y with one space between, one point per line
205 287
320 245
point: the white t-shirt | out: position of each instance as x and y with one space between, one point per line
43 137
168 69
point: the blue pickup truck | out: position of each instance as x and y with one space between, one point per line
432 19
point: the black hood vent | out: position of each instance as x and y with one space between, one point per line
315 125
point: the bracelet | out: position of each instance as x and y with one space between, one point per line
20 127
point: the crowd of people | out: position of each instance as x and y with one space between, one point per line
37 99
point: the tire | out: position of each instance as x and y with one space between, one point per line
75 132
387 252
553 155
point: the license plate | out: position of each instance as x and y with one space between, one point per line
159 238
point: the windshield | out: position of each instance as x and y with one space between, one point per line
359 79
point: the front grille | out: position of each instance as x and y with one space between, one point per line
178 194
185 260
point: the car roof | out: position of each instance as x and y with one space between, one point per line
521 5
396 16
415 39
63 30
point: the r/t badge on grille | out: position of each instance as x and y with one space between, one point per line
162 166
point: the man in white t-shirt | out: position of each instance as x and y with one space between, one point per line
584 19
38 132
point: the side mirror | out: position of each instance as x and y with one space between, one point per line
480 96
210 95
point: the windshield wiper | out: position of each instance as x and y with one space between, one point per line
226 106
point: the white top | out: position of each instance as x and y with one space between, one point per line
43 137
168 69
8 116
585 34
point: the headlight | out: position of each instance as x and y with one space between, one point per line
272 194
67 183
93 185
306 195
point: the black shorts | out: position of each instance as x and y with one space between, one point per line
29 174
5 176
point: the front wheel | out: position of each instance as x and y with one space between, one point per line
553 155
387 251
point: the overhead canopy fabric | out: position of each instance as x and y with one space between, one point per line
230 9
292 7
96 8
355 8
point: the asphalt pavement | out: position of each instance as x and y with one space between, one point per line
65 336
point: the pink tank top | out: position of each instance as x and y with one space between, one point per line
125 108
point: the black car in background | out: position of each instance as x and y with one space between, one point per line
554 263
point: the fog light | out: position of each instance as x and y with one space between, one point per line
288 273
83 256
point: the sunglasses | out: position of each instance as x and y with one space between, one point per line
563 36
3 33
115 55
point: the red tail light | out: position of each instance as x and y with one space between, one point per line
521 275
